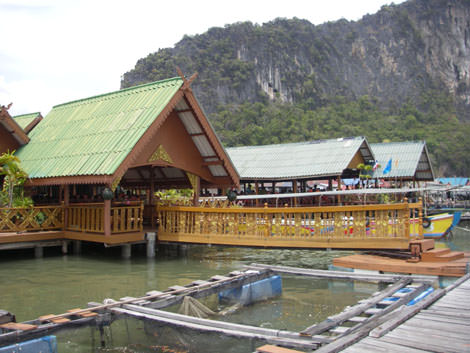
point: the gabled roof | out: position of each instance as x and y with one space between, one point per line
301 160
91 140
28 121
409 160
11 127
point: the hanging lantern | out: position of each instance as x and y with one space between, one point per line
231 195
107 194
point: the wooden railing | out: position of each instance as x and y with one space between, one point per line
85 218
125 219
385 226
31 219
90 218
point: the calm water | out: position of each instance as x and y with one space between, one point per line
33 287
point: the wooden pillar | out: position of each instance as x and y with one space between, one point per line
107 218
257 192
339 189
294 188
66 205
153 212
197 191
330 184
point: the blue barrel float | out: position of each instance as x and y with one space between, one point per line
46 344
253 292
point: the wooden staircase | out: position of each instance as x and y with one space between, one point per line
423 250
441 255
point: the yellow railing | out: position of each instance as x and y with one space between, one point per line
127 219
31 219
385 226
85 218
90 218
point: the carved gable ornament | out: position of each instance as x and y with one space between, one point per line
160 154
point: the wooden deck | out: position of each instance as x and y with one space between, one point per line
455 268
442 327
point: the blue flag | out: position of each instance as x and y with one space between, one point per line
388 167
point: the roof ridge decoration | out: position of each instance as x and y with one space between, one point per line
160 154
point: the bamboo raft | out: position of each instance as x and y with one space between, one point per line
336 332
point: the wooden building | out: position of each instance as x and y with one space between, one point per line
141 139
301 162
12 136
403 162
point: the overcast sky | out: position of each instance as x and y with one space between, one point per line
54 51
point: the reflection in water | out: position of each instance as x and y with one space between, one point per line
33 287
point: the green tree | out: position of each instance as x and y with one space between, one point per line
14 180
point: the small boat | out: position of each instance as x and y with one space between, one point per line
440 225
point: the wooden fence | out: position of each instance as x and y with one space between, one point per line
90 218
16 220
385 226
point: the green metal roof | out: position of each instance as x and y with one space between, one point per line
26 119
407 160
297 160
93 136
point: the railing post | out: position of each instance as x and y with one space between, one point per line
266 225
107 218
420 219
407 218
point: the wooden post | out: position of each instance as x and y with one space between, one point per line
153 213
407 218
294 183
197 191
257 192
66 205
107 218
339 189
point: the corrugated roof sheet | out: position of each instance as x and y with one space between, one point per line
93 136
408 159
295 160
26 119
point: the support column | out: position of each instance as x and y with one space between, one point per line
38 252
126 251
65 247
151 237
77 247
197 191
295 189
107 218
152 198
339 189
257 192
66 205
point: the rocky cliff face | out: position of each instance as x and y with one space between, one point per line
394 55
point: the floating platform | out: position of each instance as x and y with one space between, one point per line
435 266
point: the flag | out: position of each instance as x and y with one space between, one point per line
388 167
376 165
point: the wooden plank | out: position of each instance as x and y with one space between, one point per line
357 319
356 310
373 345
16 326
405 313
53 318
436 329
442 318
448 312
234 332
419 341
268 348
340 274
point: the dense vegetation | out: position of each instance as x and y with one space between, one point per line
288 80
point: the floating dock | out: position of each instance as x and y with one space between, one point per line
377 317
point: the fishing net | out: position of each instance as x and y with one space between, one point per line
192 307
